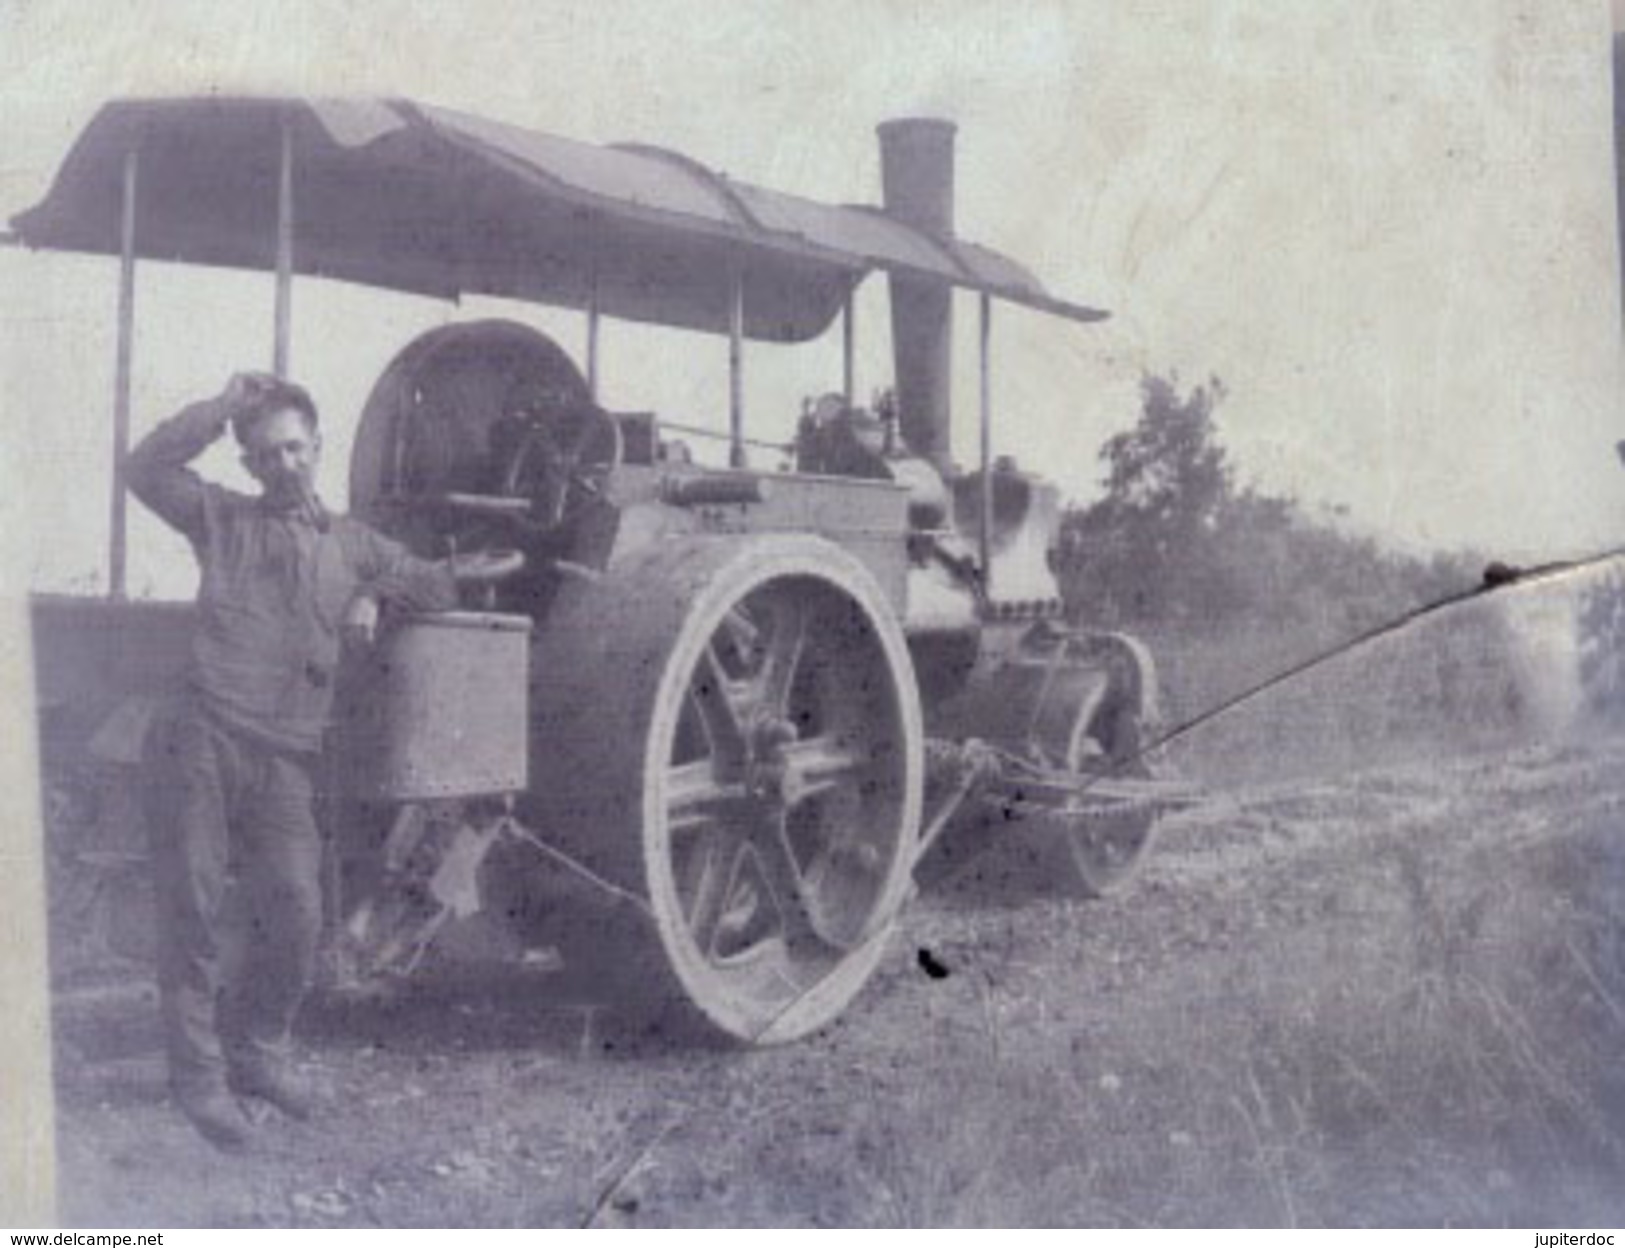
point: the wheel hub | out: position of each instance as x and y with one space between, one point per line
771 777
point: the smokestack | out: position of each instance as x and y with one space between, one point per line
917 176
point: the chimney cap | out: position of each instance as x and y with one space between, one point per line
896 124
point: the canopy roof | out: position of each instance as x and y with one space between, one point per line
426 200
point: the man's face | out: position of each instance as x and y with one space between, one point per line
281 452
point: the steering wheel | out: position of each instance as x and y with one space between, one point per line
563 463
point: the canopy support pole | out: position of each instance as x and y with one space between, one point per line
284 255
117 556
736 369
848 364
593 319
984 527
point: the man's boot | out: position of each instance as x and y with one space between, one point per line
271 1080
212 1109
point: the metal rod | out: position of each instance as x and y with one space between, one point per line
984 528
848 364
736 369
117 553
700 431
593 319
284 254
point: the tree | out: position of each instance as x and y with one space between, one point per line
1173 541
1168 468
1147 548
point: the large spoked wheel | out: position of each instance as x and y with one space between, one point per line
773 741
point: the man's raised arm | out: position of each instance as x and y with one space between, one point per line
156 469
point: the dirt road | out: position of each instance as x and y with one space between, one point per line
1396 998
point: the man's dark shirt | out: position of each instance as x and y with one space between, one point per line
274 589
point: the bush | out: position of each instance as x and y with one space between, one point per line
1175 542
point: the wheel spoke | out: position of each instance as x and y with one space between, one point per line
821 764
742 632
712 695
713 882
782 874
695 796
782 657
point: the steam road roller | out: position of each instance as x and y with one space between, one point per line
728 715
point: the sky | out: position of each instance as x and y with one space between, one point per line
1390 231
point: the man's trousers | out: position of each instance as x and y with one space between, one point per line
237 858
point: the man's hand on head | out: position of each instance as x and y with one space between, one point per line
246 391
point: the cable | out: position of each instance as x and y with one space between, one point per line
1497 576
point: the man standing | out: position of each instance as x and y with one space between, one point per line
231 763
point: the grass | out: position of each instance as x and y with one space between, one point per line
1442 1051
1414 1017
